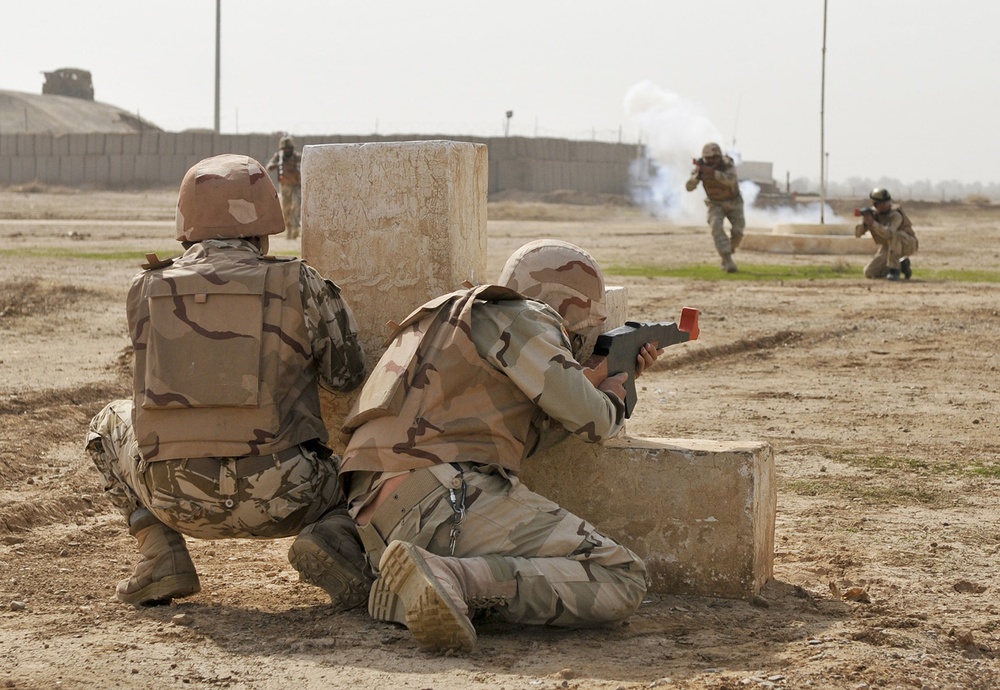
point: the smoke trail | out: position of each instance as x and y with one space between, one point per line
674 130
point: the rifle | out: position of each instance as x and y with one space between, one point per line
866 211
621 345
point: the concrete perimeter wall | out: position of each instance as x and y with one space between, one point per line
118 161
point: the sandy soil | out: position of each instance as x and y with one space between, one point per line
879 399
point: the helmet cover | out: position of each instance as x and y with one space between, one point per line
879 194
227 196
562 276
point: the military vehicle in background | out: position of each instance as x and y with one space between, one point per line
69 81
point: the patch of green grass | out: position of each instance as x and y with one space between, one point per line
763 273
990 471
923 468
961 276
867 491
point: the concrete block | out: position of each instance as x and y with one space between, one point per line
167 144
121 171
113 144
71 170
147 169
149 143
8 145
172 168
25 144
394 224
238 144
96 169
130 144
700 513
77 144
807 244
43 144
60 145
96 144
203 143
22 169
814 229
47 169
4 170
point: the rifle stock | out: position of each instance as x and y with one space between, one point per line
621 345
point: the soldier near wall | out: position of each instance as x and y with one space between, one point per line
223 437
472 384
287 162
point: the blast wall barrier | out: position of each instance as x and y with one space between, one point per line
118 161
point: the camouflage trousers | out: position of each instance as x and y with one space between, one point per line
213 498
291 208
720 211
892 246
567 573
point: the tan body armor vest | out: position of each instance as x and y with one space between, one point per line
409 416
223 361
720 190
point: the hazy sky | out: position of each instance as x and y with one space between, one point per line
911 85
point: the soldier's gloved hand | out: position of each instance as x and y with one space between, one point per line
647 355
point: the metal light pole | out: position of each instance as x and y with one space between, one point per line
218 53
822 133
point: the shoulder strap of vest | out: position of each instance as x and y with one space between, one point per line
153 262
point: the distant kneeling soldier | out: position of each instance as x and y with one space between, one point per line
892 232
223 437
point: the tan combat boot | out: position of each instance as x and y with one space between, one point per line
165 571
436 593
328 554
728 265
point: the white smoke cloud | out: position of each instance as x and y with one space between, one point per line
674 130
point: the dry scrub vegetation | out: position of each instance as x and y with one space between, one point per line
879 399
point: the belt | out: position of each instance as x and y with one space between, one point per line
246 465
416 488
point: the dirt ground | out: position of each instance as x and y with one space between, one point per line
879 399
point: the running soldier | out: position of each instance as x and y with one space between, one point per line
717 174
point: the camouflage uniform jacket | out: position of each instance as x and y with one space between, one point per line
474 376
230 348
724 185
287 167
893 220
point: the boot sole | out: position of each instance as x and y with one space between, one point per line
431 616
162 591
383 605
319 565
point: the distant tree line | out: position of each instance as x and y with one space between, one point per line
921 190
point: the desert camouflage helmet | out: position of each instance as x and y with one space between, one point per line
227 196
562 276
286 143
711 149
879 194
